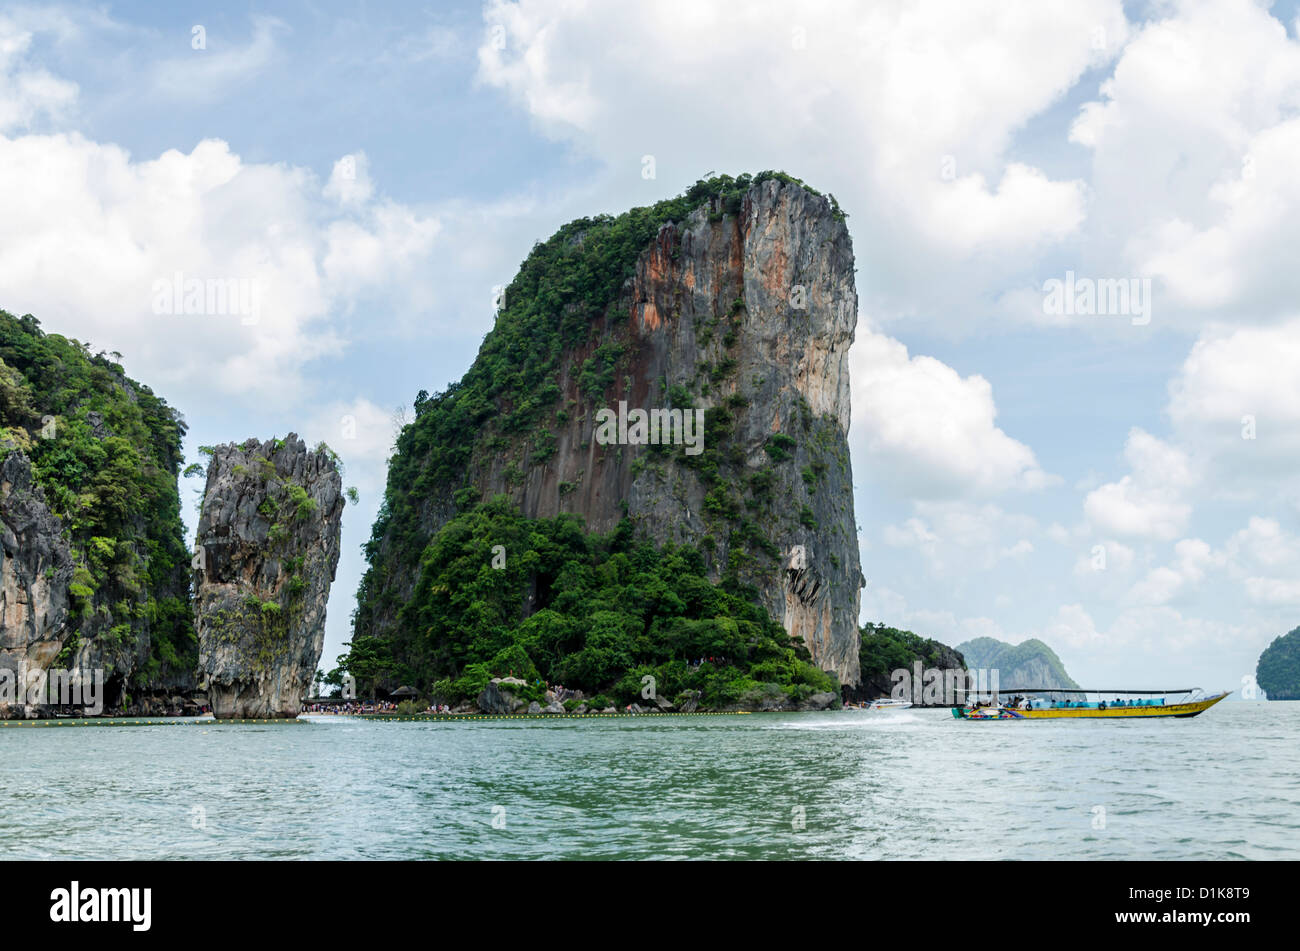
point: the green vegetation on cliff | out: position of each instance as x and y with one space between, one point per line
886 649
1278 670
502 595
106 452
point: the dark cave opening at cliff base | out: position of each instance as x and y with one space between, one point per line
114 693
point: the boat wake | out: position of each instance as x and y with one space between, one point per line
853 720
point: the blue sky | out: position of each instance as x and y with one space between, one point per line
980 149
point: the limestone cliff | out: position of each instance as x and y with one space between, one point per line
35 571
95 577
737 303
267 550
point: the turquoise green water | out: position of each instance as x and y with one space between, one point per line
847 784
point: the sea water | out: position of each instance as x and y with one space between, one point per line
843 784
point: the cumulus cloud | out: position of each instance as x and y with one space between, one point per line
27 92
930 432
1265 558
1150 500
1192 559
1194 141
1235 404
904 109
92 235
1072 626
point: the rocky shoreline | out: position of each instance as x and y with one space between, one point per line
498 698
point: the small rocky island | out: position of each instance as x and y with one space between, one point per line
266 554
1278 670
1030 663
715 326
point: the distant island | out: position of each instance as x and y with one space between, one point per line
1278 670
1028 664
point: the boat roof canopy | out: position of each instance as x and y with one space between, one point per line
1074 690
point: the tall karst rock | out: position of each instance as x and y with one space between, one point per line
267 550
737 299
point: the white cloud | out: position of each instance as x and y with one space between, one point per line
1149 501
1192 559
1194 143
928 431
1266 560
1020 549
86 234
362 434
201 75
1282 591
1072 626
1235 404
904 109
350 182
1108 555
962 535
1264 545
913 533
27 92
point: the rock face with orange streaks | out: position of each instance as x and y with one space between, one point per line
744 312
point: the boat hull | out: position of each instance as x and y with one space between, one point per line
1188 709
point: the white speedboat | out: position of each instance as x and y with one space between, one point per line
885 703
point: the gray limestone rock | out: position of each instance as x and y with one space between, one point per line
35 571
267 550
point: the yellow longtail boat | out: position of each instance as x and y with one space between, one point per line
1108 704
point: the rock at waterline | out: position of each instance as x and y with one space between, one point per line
267 550
493 699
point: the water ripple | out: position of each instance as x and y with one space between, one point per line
914 784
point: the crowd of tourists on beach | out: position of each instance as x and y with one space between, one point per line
351 707
360 707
